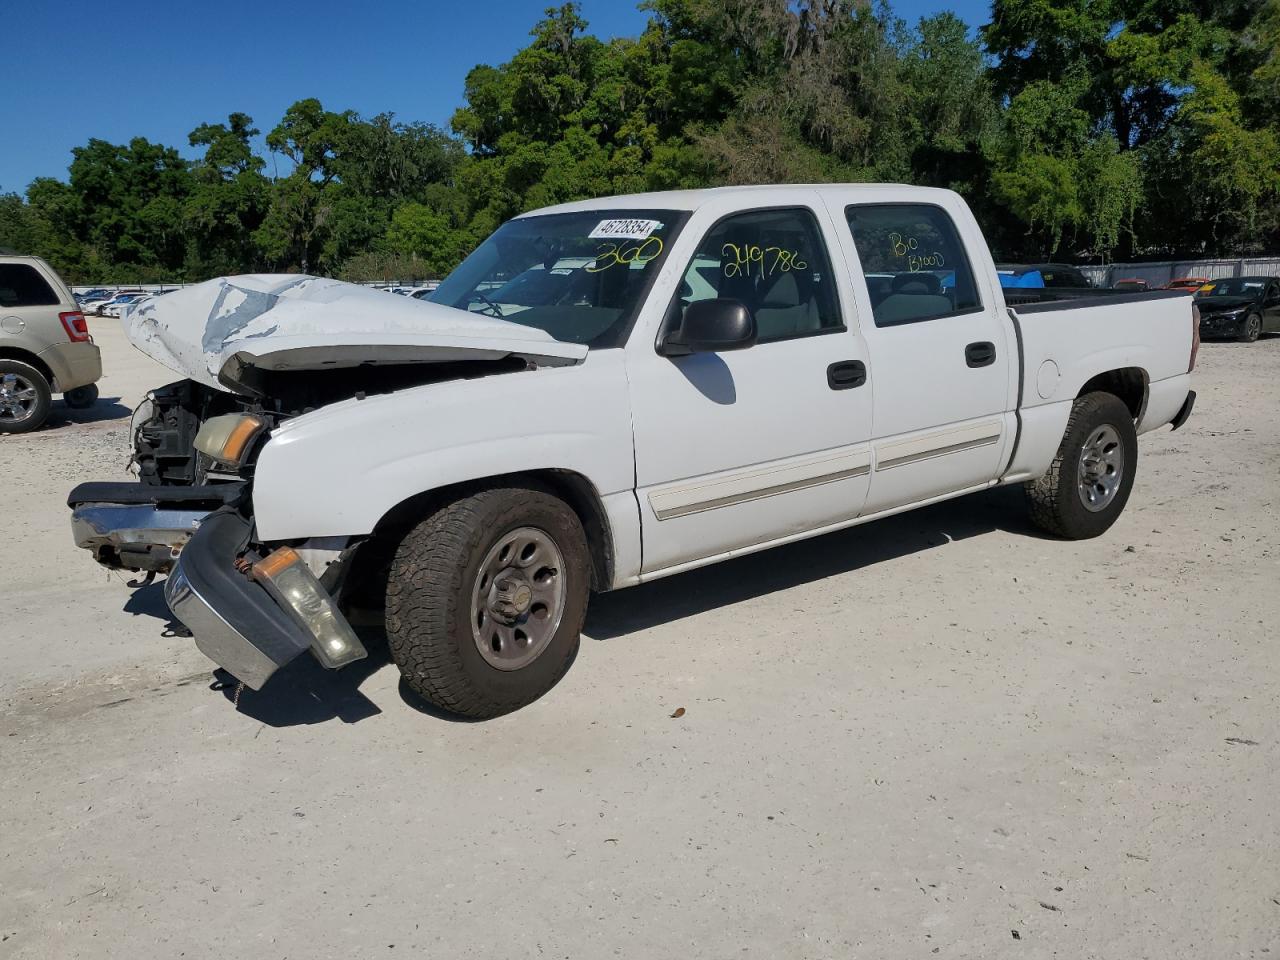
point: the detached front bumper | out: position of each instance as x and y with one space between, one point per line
235 622
249 618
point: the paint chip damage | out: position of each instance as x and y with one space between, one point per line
221 331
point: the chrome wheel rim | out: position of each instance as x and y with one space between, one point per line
17 398
1101 468
518 598
1254 329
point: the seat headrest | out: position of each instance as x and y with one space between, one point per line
783 290
917 283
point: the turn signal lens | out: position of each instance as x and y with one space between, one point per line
228 438
296 589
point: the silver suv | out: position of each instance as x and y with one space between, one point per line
45 347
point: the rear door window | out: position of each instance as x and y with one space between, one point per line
915 265
22 286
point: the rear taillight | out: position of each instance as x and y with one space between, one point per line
1195 337
74 324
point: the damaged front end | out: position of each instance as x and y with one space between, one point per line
255 352
251 607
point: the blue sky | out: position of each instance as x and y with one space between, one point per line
85 68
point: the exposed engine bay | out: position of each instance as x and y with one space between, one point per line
166 423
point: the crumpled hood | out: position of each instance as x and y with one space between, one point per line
214 332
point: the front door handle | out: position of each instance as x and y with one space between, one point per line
981 354
846 374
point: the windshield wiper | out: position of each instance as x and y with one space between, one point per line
489 305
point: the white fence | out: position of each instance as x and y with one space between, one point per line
1160 273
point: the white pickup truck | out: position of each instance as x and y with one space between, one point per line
604 393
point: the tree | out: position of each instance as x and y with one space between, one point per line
1134 54
128 202
228 200
16 233
1235 170
429 236
1073 127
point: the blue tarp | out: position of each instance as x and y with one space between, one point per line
1031 278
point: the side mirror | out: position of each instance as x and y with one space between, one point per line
711 326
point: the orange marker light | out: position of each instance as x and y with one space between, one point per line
275 563
241 436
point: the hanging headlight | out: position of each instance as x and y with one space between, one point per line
296 589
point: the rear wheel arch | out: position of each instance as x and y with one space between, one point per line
24 356
1130 384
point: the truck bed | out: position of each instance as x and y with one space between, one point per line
1071 298
1063 344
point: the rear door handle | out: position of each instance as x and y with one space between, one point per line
981 354
846 374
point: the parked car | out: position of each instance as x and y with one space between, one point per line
425 291
1190 284
98 305
92 296
91 304
116 307
45 346
469 479
1053 274
1131 285
1240 307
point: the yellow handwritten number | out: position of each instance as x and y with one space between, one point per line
610 254
739 261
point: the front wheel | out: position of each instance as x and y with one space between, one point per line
1089 482
1251 329
486 599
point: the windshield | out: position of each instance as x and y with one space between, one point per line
1235 287
578 276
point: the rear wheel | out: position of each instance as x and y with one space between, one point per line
24 397
1252 328
1089 482
81 398
486 599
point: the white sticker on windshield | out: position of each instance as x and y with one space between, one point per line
624 229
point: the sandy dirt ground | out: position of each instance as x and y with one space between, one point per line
936 735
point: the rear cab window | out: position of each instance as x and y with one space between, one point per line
21 285
914 262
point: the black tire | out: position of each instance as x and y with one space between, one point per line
30 379
1056 501
81 398
429 601
1251 328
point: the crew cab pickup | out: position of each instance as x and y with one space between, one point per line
604 393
